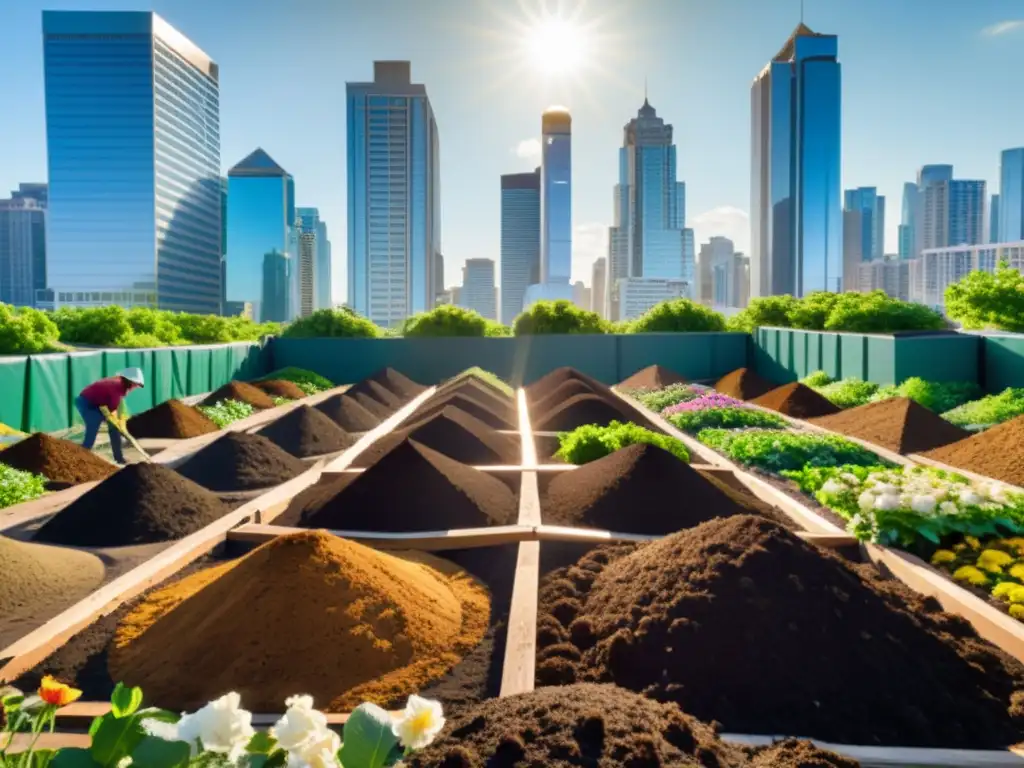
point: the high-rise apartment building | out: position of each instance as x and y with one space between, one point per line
993 219
309 222
863 232
907 226
740 281
931 210
133 152
307 274
23 245
796 219
520 240
581 295
394 196
598 286
636 295
1011 195
478 286
951 211
261 232
720 256
936 268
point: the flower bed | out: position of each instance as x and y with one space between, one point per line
778 450
993 568
660 399
727 417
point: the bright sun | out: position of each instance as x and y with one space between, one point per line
557 46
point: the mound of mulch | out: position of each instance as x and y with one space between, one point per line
548 383
997 452
561 393
410 488
454 433
60 461
348 414
171 419
305 432
644 489
238 461
739 611
652 377
280 388
899 424
496 401
585 409
140 504
398 383
239 390
494 417
743 384
374 398
797 400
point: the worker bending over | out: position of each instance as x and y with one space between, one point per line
101 401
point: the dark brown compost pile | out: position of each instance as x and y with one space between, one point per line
238 461
652 377
305 431
348 414
548 383
585 409
172 420
743 384
62 462
280 388
239 390
797 400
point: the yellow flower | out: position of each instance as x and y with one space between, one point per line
1017 611
1017 571
993 560
959 547
56 693
943 556
972 542
971 575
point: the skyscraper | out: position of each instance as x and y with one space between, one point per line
1011 196
720 255
133 150
863 232
598 285
309 221
261 231
307 274
394 196
478 287
993 219
931 207
796 221
966 216
951 211
23 245
907 227
520 240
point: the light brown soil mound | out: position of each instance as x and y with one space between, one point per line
652 377
743 384
280 388
899 424
797 400
997 452
59 461
239 390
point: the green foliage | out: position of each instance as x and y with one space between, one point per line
26 331
227 411
939 396
678 316
777 450
660 399
590 442
988 300
992 409
368 738
816 379
876 312
333 323
848 393
560 316
725 418
308 381
813 311
99 326
764 311
17 486
450 320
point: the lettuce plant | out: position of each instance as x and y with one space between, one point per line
848 393
938 396
992 409
725 418
17 486
777 450
227 411
591 442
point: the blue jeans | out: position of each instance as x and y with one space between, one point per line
93 419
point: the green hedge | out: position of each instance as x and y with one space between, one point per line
873 312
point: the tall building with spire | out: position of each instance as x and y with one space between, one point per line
795 196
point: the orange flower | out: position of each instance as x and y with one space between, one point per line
56 693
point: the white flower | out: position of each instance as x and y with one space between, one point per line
320 752
887 501
303 732
970 498
849 478
887 489
923 504
832 487
222 726
949 508
420 723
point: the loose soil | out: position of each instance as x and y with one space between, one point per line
245 393
171 419
841 654
899 424
494 417
652 377
411 488
280 388
140 504
397 383
644 489
480 390
348 414
997 452
585 409
305 432
561 393
743 384
376 400
596 725
548 383
39 580
797 400
374 627
238 461
454 433
61 462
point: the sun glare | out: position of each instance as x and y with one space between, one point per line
557 46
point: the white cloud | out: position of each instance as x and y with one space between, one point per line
589 243
726 221
1003 27
528 149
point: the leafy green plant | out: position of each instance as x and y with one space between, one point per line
991 409
660 399
17 486
333 323
560 316
816 379
678 316
777 450
877 312
765 311
227 411
988 300
309 382
724 418
939 396
450 320
591 442
97 326
26 331
848 393
812 312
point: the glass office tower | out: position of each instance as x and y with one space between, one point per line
556 197
309 222
993 219
520 240
23 245
394 196
1011 196
133 150
261 238
796 218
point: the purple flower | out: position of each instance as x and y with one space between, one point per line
710 400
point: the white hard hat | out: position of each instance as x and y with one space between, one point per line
134 375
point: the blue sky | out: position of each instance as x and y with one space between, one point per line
925 81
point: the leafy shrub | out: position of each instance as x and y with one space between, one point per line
992 409
25 331
660 399
96 326
560 316
988 300
153 323
724 418
816 379
17 486
877 312
777 450
764 311
307 381
227 411
848 393
678 316
812 312
591 442
450 320
333 323
939 396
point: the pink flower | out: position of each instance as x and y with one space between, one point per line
710 400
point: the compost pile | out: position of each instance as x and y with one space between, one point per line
559 395
280 388
140 504
644 489
61 462
899 424
369 626
797 400
997 452
584 409
652 377
410 488
587 724
454 433
743 384
841 655
305 431
548 383
238 461
495 416
239 390
171 419
348 414
385 392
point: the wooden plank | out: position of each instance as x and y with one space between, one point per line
518 670
458 538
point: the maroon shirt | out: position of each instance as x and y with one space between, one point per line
109 392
